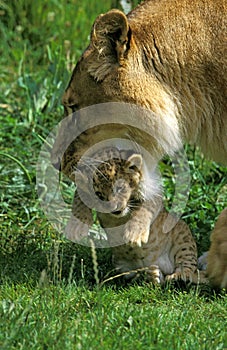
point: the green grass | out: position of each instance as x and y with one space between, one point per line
74 317
50 294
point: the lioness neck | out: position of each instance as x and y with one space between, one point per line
177 45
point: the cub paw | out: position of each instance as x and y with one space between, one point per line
179 276
198 277
154 275
135 236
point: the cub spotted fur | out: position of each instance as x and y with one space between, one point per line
118 181
167 257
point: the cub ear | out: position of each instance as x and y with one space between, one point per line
111 37
135 161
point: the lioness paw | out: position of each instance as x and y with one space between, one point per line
217 255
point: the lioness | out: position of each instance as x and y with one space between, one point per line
167 56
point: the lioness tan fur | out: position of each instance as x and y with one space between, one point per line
217 255
167 56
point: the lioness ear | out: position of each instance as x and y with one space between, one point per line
135 161
111 37
110 33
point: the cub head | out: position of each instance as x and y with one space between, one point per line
118 184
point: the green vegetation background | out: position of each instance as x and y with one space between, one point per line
49 292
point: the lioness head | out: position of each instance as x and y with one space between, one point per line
112 69
168 57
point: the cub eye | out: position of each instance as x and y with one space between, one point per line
100 195
118 189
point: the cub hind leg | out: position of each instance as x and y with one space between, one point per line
184 253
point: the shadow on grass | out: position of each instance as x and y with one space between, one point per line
62 262
66 262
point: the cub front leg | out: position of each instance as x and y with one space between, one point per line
80 221
137 228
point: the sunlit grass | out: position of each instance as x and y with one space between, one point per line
73 317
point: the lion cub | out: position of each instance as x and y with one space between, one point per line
119 184
217 255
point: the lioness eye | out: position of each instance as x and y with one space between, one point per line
74 107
